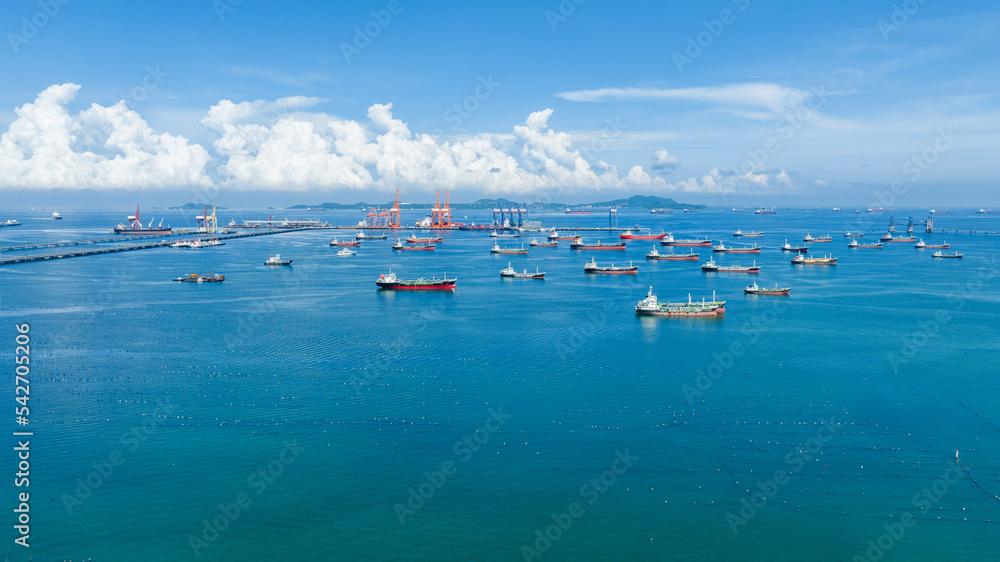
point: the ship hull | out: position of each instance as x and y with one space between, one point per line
692 257
693 243
642 236
715 312
601 247
613 271
398 286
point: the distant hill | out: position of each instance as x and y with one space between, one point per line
634 202
648 202
193 206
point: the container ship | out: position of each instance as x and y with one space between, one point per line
592 267
649 306
579 245
757 290
723 249
656 255
511 272
135 226
941 246
810 238
740 234
496 249
800 259
789 248
671 241
389 281
856 244
710 266
627 235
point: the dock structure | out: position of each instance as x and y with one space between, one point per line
83 242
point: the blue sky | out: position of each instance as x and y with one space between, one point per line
725 102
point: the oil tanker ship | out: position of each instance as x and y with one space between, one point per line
650 306
389 281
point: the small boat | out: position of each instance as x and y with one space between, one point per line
276 260
202 278
856 244
649 306
740 234
711 266
555 236
347 252
592 267
496 249
984 211
579 245
627 235
800 259
656 255
941 212
854 234
940 254
389 281
789 248
756 290
722 248
400 246
361 236
764 211
56 216
671 241
413 239
941 246
510 272
809 238
343 243
536 244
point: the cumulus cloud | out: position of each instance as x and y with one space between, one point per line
662 160
783 178
98 148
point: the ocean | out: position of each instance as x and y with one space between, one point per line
298 413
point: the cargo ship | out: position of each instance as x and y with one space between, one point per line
856 244
352 243
764 211
940 254
56 216
275 259
942 246
740 234
555 236
723 249
592 267
579 245
496 249
389 281
362 236
671 241
810 238
800 259
656 255
536 244
666 211
135 226
496 234
854 234
711 266
649 306
510 272
756 290
413 239
627 235
202 278
888 237
419 247
789 248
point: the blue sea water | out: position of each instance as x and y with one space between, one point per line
511 419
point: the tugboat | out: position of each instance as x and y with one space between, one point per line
135 226
789 248
579 245
627 235
740 234
496 249
510 272
942 246
711 266
346 243
554 236
656 255
592 267
809 238
670 241
940 254
649 306
202 278
346 252
755 290
800 259
412 239
400 246
389 281
275 259
722 248
536 244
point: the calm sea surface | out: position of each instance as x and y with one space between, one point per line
300 414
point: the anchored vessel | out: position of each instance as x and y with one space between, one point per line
651 307
347 252
710 265
56 216
940 254
496 249
740 234
627 235
856 244
656 255
202 278
789 248
343 243
536 244
390 281
400 246
510 272
888 237
763 211
854 234
555 236
135 226
722 248
809 238
495 234
942 246
579 245
800 259
412 239
671 241
756 290
592 267
363 236
276 260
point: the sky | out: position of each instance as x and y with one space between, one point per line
731 102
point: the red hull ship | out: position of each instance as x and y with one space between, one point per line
627 235
390 282
721 248
414 240
400 246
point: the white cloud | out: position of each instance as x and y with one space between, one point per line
821 183
783 178
663 160
99 148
